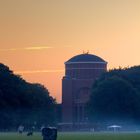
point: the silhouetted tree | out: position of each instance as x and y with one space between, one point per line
22 102
116 96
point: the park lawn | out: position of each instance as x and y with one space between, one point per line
75 136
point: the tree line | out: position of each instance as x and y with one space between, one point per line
115 97
23 103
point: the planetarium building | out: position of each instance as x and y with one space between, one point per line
81 71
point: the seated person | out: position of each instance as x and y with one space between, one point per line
49 133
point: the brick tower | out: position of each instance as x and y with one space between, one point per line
80 73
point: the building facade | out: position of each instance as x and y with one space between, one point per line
80 73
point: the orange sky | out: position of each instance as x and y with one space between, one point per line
38 36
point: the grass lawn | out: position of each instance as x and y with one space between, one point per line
74 136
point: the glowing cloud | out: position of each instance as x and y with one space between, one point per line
38 71
27 48
37 48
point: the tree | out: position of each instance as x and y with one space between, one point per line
23 102
113 99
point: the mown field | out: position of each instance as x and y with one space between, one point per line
74 136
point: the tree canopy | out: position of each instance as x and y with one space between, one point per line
116 96
22 102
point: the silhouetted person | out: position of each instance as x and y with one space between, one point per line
20 129
49 133
30 133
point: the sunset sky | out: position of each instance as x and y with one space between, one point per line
38 36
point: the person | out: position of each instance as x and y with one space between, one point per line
20 129
92 129
30 133
49 133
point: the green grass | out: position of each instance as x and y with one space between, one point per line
74 136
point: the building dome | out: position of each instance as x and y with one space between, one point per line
85 58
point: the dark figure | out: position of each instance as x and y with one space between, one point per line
49 133
29 133
20 129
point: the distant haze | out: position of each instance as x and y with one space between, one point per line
38 36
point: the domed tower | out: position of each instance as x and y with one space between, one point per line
80 73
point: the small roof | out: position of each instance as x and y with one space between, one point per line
114 126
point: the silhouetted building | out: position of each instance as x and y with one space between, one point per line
80 73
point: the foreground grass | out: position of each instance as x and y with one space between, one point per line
75 136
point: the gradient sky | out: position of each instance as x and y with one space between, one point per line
38 36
